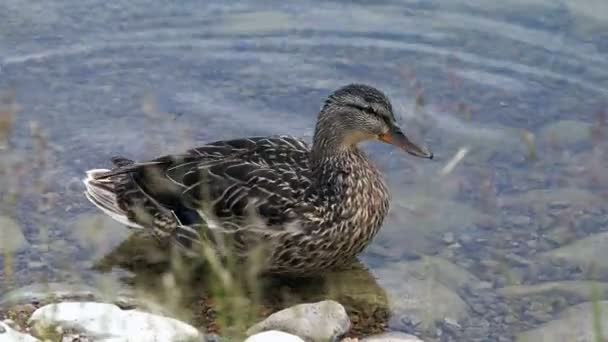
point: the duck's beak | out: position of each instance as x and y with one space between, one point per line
397 138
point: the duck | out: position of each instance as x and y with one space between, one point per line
309 207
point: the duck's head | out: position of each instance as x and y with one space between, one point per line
357 113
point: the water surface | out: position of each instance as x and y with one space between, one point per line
137 78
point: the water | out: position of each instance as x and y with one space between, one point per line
487 74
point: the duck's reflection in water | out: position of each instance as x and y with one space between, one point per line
192 291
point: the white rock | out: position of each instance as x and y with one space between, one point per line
320 321
392 337
108 322
8 334
273 336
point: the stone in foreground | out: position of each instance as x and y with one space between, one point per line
8 334
273 336
109 322
321 321
392 337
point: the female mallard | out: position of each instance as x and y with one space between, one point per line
315 207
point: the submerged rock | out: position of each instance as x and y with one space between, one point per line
538 198
424 292
98 233
580 288
108 321
589 254
8 334
12 240
321 321
443 270
576 323
416 222
273 336
565 132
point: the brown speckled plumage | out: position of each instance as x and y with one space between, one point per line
314 207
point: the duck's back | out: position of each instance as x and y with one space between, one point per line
226 185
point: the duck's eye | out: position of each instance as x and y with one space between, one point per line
367 109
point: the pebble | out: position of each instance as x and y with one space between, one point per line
560 235
108 321
321 321
451 322
273 336
520 220
482 285
448 238
510 319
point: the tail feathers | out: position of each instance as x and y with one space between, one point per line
100 191
123 166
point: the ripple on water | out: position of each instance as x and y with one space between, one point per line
222 70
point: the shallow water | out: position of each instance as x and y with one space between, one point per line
136 77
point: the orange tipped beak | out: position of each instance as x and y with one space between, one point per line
397 138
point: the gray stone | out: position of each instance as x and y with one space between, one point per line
12 240
392 336
573 324
320 321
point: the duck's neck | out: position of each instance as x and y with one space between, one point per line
330 145
338 165
348 192
342 170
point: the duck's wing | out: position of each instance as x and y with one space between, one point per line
247 185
